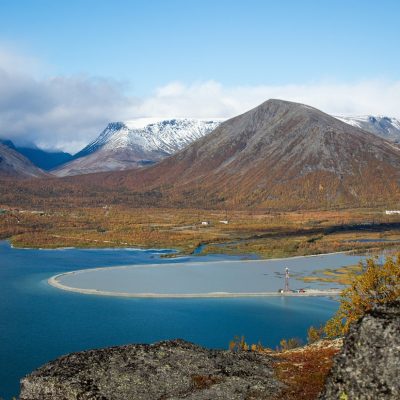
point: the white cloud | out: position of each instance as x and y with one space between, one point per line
57 112
66 112
208 99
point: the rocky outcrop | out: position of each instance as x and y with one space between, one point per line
166 370
368 367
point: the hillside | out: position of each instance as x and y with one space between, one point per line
15 165
43 159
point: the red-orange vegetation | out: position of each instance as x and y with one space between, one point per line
304 371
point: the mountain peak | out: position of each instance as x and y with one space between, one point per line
114 126
286 104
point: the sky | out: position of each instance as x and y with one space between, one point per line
67 68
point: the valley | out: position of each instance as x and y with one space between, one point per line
200 232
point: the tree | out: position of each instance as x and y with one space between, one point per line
314 334
378 284
238 344
289 344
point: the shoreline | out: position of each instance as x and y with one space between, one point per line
177 252
161 250
56 284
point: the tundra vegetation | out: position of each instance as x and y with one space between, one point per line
265 233
378 284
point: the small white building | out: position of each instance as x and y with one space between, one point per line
224 222
392 212
205 223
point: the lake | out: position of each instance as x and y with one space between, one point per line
39 323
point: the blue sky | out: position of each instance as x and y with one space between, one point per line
94 61
150 43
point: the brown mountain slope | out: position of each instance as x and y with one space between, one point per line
15 165
280 154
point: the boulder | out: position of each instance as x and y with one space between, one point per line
368 366
166 370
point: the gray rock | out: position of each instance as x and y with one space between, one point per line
368 366
166 370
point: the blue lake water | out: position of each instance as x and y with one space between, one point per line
39 323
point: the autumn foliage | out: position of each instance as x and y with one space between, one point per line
378 284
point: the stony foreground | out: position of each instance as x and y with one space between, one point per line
367 368
166 370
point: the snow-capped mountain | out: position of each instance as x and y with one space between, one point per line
385 127
134 144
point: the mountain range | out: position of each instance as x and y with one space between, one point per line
139 143
143 142
278 155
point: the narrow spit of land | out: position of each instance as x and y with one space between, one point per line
188 279
54 281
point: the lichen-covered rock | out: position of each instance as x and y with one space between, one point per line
166 370
368 367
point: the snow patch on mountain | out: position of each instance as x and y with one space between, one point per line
152 134
380 125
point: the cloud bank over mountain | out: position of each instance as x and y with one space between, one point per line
55 112
66 112
213 99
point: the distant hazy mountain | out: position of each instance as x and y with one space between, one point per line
44 159
281 155
385 127
134 144
7 143
15 165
